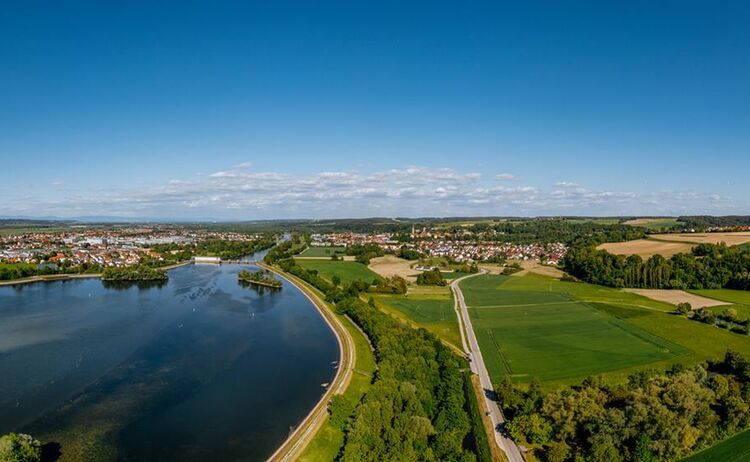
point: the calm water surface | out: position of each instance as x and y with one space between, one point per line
197 369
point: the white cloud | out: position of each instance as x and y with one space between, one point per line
506 177
244 165
237 193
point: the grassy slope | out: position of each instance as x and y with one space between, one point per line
329 439
739 298
562 332
322 251
347 271
734 449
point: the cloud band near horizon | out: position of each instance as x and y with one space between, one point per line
239 193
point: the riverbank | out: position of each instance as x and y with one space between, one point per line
305 431
67 277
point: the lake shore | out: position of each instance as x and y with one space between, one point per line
67 277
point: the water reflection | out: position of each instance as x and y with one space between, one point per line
142 285
197 368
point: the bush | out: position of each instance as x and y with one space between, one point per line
684 308
19 447
431 278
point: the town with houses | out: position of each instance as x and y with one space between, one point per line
117 247
105 247
441 243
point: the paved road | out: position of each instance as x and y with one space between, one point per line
471 346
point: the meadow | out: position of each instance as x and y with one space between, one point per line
561 332
654 223
347 271
734 449
434 312
322 251
739 299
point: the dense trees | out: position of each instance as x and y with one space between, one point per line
414 410
18 447
364 253
133 273
431 278
655 417
555 230
261 277
415 407
707 267
224 249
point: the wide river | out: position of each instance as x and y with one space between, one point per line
198 369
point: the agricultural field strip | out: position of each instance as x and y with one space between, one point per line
516 344
569 302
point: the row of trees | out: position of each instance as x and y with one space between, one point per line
553 230
708 266
133 273
654 417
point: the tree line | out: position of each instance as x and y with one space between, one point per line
708 266
653 417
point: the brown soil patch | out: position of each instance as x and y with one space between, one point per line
677 296
530 266
643 221
646 248
706 238
389 266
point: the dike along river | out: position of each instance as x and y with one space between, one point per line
197 369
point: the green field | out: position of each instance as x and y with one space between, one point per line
322 251
655 224
561 332
433 312
347 271
450 275
740 299
735 449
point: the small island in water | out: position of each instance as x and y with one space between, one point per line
134 273
260 277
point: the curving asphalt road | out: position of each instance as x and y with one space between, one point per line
471 347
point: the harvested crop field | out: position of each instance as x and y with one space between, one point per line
677 296
646 248
389 266
530 266
706 238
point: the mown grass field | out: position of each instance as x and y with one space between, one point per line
434 312
561 332
347 271
734 449
322 251
740 299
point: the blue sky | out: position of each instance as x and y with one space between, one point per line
248 110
